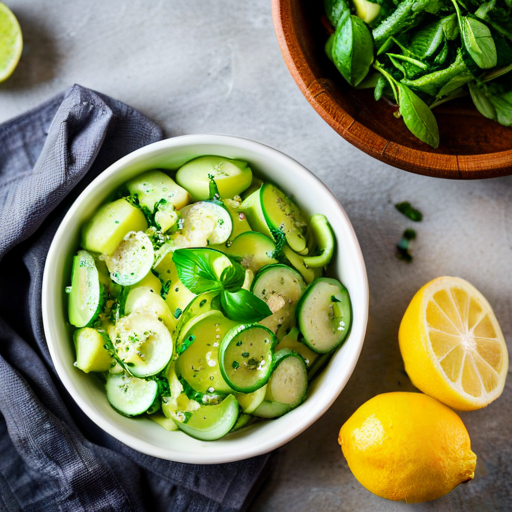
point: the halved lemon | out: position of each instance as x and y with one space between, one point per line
452 345
11 42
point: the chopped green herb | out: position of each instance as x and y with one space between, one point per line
235 365
245 354
177 313
335 299
403 245
409 211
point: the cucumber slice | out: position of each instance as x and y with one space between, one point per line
325 315
178 295
241 422
240 222
298 262
132 260
110 224
249 402
280 287
130 396
91 354
289 382
291 341
270 209
153 186
204 223
201 304
86 296
209 422
324 237
231 176
246 357
143 343
199 364
254 249
145 301
269 410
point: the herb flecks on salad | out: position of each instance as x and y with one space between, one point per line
199 296
420 54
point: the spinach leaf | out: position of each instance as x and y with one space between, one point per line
427 41
494 100
482 102
196 269
243 306
352 49
406 209
477 39
334 9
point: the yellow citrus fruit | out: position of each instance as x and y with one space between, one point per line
407 446
11 42
452 345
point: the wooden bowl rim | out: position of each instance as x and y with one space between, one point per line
488 165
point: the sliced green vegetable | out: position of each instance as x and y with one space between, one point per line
325 315
86 296
291 342
231 176
129 395
110 224
324 237
91 354
246 357
249 402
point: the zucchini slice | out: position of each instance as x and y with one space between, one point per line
289 382
232 177
132 260
299 263
91 354
200 304
246 357
324 237
209 422
291 341
249 402
110 224
325 315
268 208
241 422
203 223
86 296
199 363
143 343
129 395
269 410
153 186
280 287
145 301
253 249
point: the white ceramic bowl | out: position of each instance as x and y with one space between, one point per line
142 434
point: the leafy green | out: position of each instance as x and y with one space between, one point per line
232 277
196 269
243 306
352 49
494 100
334 9
280 242
411 213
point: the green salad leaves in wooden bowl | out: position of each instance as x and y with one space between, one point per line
425 85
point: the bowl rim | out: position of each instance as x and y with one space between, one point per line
53 340
412 160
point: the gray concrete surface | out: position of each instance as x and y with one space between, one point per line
204 66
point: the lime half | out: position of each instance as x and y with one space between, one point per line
11 42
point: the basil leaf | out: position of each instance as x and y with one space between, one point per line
232 277
482 102
334 9
417 116
195 269
352 49
243 306
479 43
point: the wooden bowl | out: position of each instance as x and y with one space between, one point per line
471 146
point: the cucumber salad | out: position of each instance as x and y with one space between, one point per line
200 299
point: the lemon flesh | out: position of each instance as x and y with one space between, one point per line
452 345
407 446
11 42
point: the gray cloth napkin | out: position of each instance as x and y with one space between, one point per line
52 457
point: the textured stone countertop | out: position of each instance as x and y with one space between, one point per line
214 66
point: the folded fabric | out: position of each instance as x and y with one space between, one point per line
52 456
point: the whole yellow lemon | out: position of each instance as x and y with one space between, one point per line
407 446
